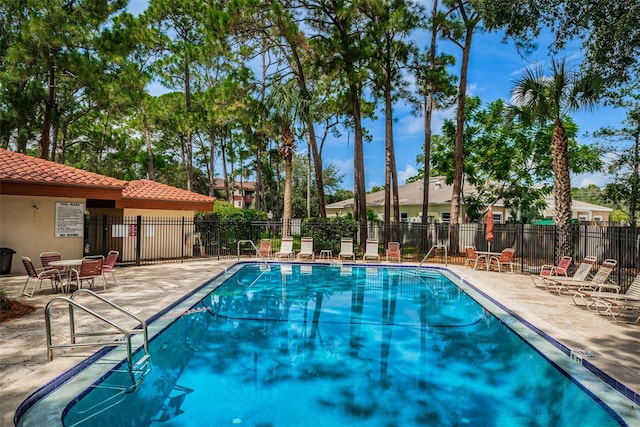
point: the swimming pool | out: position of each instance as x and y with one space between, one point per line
336 345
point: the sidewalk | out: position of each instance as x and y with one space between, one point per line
148 289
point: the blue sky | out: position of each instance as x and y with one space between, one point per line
493 68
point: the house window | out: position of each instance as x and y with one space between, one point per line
597 218
404 216
497 218
445 217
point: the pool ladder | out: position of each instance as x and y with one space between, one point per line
137 370
258 254
436 247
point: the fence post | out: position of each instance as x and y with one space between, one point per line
522 246
104 233
138 238
183 239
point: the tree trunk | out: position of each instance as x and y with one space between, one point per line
45 138
428 117
360 196
147 139
187 99
459 149
287 153
562 190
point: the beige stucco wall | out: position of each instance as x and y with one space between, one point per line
30 231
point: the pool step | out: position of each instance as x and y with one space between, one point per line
139 370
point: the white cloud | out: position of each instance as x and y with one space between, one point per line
584 180
408 172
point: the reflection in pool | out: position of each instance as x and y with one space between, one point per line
302 345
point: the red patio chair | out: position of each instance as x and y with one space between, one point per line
40 274
108 267
473 258
90 268
505 258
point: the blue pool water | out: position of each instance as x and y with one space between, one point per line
331 345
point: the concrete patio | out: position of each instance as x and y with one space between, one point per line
610 346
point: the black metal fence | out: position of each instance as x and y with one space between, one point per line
144 240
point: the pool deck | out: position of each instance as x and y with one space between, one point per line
612 347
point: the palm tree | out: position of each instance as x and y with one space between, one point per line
537 96
286 105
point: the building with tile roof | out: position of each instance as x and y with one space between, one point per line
43 205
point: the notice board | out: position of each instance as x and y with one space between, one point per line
69 219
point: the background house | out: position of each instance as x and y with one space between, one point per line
43 207
242 195
410 196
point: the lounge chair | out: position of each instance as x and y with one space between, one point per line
473 257
602 301
597 283
264 250
505 259
109 265
581 274
306 249
393 251
346 249
371 250
286 249
39 275
90 268
556 270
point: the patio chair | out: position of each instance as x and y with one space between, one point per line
264 250
306 249
90 268
505 259
603 301
473 257
556 270
597 283
109 265
47 257
393 251
39 275
371 250
286 249
346 249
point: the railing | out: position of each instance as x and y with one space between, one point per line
143 240
136 371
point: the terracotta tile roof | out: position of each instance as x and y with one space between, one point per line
20 168
145 189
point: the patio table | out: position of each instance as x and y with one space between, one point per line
68 265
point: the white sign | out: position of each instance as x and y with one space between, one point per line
69 219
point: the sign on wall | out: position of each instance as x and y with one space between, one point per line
69 219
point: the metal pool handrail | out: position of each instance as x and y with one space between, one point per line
429 253
258 254
140 366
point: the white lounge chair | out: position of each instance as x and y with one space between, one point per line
581 274
286 249
566 286
602 302
371 250
306 248
346 249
